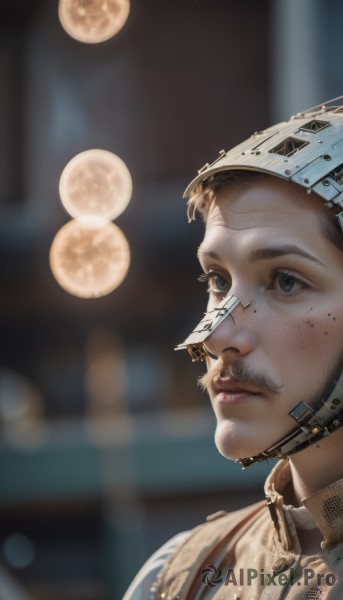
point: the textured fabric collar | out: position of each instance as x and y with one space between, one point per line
325 507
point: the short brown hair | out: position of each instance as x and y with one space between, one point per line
205 194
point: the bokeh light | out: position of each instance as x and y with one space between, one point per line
95 182
19 551
90 257
93 21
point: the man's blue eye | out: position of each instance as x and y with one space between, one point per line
286 282
220 283
216 283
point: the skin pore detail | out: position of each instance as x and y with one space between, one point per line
264 244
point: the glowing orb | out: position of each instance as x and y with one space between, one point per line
93 21
89 258
95 182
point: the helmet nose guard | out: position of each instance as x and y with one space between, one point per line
307 150
194 343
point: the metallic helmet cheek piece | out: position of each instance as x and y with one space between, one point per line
307 150
314 424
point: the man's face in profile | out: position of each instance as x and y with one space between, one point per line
265 243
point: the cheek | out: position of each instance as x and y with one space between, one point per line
312 331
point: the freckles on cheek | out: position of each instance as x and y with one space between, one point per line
301 334
304 333
312 329
333 325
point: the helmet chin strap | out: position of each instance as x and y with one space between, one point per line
314 423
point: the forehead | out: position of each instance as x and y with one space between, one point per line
268 206
267 201
266 213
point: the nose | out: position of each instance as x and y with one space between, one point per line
232 336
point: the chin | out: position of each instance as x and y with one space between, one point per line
233 443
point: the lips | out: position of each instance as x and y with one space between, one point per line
232 386
229 393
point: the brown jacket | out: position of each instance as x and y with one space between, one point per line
255 554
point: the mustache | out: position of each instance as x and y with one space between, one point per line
239 371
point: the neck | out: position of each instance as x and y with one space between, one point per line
316 466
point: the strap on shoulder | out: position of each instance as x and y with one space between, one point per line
179 574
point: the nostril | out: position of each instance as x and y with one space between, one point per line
211 355
216 356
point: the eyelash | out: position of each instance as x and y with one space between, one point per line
274 273
206 278
297 281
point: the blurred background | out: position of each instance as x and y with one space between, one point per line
106 445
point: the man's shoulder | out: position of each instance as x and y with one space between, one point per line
218 525
141 585
236 514
184 544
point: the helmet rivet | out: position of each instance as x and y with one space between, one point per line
306 181
288 171
326 182
326 156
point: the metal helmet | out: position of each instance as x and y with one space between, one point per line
307 150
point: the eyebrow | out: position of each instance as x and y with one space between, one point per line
275 251
267 253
